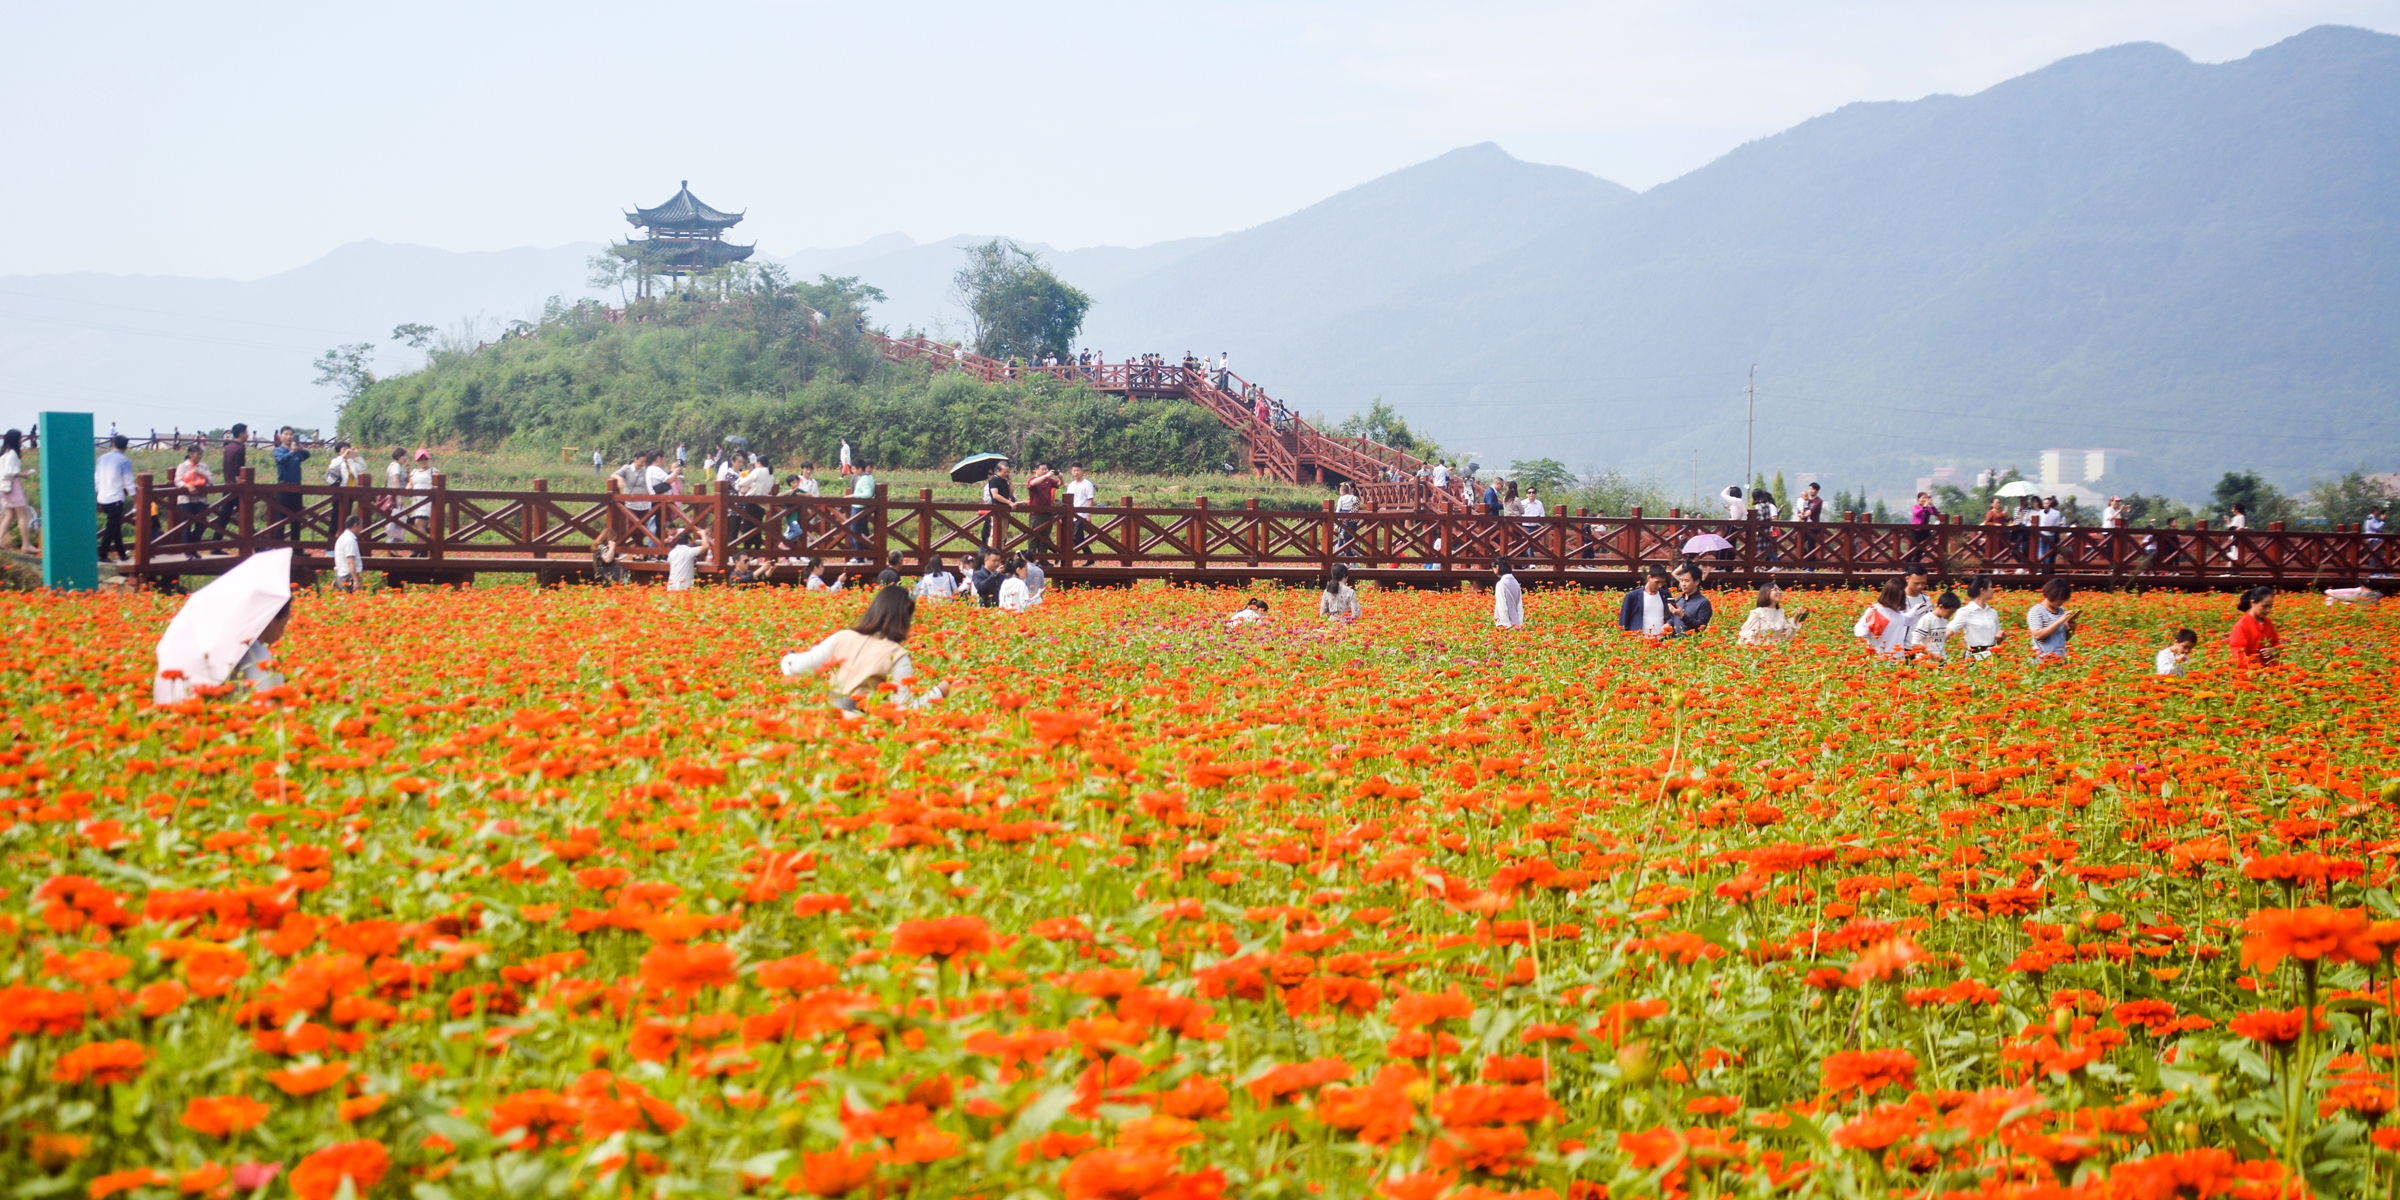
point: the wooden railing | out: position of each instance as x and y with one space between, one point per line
1281 445
446 532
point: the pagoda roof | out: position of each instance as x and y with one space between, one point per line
683 210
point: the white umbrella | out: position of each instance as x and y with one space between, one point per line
1702 543
2020 487
212 631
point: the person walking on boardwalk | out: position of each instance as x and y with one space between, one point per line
1508 597
16 507
112 484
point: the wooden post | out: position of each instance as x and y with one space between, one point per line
1197 535
2274 551
616 512
925 528
1326 534
1125 529
724 524
1848 547
141 519
883 525
1558 544
537 519
434 523
1250 531
241 500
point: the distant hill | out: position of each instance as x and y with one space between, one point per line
190 353
2197 264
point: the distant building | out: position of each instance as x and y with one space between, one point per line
2079 466
686 237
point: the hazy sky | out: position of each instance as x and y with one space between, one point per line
239 140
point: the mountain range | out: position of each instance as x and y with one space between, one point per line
2190 265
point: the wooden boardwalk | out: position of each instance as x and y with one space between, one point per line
452 535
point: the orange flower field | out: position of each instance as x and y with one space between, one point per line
570 893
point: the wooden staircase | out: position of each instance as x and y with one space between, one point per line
1281 445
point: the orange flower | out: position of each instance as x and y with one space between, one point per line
1117 1174
101 1063
1418 1010
319 1176
308 1081
833 1173
2279 1028
944 938
223 1116
124 1181
1868 1071
680 969
2307 934
158 999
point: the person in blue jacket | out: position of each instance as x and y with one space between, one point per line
1649 610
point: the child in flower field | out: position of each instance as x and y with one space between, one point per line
2177 655
867 654
1508 598
1255 610
1930 632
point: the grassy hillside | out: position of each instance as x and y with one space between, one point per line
752 361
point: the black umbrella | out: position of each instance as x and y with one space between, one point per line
975 468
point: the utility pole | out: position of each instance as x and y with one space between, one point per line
1750 429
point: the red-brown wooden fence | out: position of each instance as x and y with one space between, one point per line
448 533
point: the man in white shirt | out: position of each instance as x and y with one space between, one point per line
683 561
2113 517
845 456
348 563
112 482
1919 603
1080 490
759 480
1441 476
2050 520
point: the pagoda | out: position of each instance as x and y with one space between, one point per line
686 236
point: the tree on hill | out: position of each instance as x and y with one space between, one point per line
1383 423
1020 309
784 364
2261 501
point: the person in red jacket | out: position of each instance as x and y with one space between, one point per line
2254 640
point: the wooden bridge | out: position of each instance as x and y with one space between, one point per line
1281 445
450 535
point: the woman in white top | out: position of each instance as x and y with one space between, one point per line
395 477
866 655
1508 598
2236 520
1015 595
420 512
937 583
1768 624
16 509
1976 626
1339 600
1884 625
1737 502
